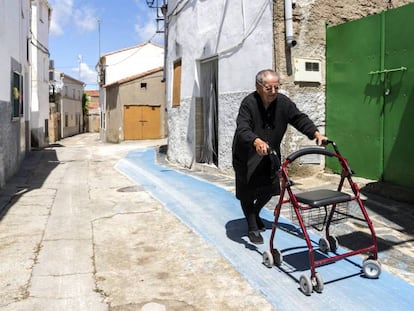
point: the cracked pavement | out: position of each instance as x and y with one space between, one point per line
78 235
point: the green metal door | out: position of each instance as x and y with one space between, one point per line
399 103
353 98
370 94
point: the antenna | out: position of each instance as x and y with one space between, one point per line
161 7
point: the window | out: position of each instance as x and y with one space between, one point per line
311 66
73 94
66 120
17 95
176 96
143 85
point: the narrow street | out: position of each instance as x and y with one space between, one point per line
92 226
76 234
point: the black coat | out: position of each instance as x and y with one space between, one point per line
270 125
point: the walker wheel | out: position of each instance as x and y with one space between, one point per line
305 285
371 268
277 256
268 259
333 242
318 283
323 245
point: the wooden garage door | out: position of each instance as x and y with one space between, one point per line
141 122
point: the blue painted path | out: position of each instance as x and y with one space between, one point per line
215 214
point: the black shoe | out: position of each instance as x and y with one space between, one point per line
260 224
255 237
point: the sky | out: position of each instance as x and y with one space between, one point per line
81 30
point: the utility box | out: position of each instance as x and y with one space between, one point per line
308 70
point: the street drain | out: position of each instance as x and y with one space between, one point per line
129 189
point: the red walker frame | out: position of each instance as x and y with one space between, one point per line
317 199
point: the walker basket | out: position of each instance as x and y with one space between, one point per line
317 217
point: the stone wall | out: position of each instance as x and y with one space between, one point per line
309 27
12 144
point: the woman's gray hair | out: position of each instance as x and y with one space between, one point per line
263 73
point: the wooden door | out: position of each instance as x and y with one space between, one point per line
141 122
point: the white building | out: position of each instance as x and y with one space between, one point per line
118 65
39 49
15 86
215 50
71 111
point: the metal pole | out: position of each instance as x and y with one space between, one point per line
99 38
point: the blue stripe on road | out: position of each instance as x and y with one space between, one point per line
215 214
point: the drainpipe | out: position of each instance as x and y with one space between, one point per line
290 40
164 11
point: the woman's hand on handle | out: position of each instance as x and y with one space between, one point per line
260 146
320 138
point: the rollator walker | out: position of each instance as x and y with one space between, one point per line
320 209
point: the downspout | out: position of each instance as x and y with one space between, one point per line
290 40
164 11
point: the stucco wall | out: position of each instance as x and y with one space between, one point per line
239 34
131 93
228 30
131 61
40 74
14 15
12 145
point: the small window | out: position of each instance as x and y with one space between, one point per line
176 96
66 120
143 85
311 66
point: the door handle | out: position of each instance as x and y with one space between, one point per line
387 70
387 90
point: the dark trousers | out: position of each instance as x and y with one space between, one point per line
251 210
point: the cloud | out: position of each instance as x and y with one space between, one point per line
85 18
64 14
61 15
87 74
146 28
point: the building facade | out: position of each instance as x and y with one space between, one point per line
116 68
71 110
135 109
39 50
93 113
15 86
214 52
217 47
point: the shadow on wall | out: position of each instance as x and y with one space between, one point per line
33 172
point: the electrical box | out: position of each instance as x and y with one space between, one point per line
308 70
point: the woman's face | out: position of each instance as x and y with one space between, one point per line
268 90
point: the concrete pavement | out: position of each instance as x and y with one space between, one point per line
76 235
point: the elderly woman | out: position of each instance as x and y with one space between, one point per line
261 124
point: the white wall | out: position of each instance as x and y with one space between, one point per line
132 61
71 105
15 16
127 63
40 68
240 34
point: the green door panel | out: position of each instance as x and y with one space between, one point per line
370 94
399 104
353 97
